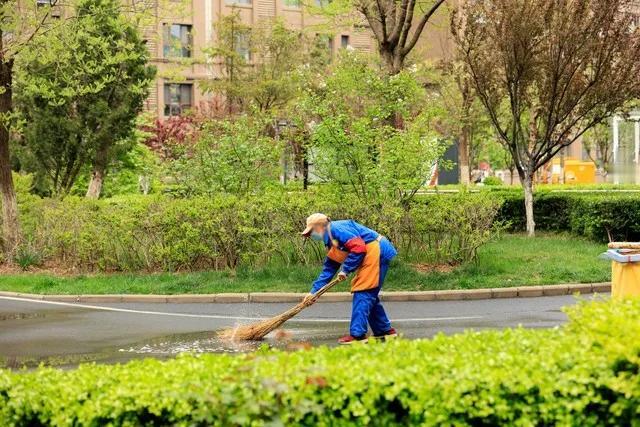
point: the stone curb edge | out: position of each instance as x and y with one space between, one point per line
274 297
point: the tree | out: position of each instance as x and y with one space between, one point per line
278 55
135 171
232 51
80 95
463 115
556 68
52 143
297 130
123 58
354 146
260 65
264 68
391 23
20 22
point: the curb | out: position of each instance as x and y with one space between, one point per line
291 297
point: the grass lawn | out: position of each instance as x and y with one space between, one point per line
513 260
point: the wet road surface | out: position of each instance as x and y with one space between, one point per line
65 334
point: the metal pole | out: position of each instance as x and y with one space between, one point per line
616 138
636 140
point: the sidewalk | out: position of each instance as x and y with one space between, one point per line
282 297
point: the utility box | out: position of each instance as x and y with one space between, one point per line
625 269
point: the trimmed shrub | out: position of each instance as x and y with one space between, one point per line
583 374
597 216
492 180
606 218
551 210
160 233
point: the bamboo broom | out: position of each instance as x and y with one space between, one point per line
258 330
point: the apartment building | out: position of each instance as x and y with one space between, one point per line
177 38
181 29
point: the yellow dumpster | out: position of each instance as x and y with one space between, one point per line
625 269
575 171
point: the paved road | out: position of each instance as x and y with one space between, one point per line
65 333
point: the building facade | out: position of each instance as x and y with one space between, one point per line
179 35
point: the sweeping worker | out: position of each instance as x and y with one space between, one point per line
354 248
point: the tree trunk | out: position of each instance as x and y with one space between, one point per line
99 171
464 143
393 62
527 184
10 222
463 156
602 172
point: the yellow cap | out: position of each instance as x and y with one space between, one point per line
314 219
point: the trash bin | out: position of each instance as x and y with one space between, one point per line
625 269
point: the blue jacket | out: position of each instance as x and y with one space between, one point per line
350 237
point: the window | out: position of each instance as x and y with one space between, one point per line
177 98
177 40
292 3
44 3
322 3
344 41
242 45
244 2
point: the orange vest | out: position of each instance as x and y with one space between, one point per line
368 274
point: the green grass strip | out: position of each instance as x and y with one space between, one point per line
513 260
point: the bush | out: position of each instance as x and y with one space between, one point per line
452 228
551 210
492 180
230 156
583 374
160 233
598 216
356 144
606 217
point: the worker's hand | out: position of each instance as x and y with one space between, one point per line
308 299
342 276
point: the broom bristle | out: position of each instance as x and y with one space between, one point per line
259 330
254 331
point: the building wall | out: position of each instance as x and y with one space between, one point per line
202 16
436 42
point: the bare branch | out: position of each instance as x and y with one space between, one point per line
421 24
400 21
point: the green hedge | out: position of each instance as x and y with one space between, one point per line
161 233
598 216
583 374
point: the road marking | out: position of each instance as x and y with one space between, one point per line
215 316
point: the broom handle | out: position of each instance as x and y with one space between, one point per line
324 289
